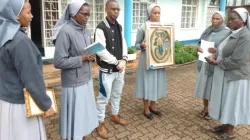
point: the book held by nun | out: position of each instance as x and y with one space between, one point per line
94 48
32 109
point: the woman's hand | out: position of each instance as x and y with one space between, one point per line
211 60
92 57
212 50
199 50
88 57
144 44
49 112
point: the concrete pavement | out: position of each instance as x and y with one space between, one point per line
179 109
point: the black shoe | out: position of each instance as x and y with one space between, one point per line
149 116
156 112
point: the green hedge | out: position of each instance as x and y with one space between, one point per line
131 50
184 53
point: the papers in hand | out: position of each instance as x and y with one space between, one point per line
94 48
204 46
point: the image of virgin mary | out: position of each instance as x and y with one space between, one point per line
160 44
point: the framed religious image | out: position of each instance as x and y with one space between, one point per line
32 109
160 39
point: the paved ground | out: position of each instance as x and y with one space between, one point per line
179 108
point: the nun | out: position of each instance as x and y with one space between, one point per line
78 114
216 33
20 67
230 95
150 84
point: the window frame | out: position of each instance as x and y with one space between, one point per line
147 2
191 14
93 13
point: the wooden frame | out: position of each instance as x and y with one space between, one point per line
160 39
32 109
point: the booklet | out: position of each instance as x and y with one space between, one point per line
94 48
205 45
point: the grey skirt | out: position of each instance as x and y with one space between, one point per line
14 125
78 114
235 103
203 84
150 84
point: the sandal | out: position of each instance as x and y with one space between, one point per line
204 115
156 112
226 136
218 129
149 116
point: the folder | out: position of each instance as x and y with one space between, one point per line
94 48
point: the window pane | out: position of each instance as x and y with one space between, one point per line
183 8
143 19
182 25
184 1
194 15
195 2
182 20
194 9
189 2
183 14
192 25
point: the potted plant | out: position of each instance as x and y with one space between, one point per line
131 53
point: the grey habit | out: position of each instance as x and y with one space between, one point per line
204 70
150 84
20 67
78 114
230 96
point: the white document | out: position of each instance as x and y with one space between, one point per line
204 46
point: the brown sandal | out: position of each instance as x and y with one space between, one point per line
204 115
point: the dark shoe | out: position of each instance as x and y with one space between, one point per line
149 116
218 129
156 112
118 120
226 136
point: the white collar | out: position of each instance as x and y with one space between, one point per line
236 31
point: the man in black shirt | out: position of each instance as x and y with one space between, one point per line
111 62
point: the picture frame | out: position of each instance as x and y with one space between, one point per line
32 110
160 40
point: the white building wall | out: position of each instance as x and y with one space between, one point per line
171 13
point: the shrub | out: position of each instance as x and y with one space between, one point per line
131 50
184 53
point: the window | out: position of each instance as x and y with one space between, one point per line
214 3
189 12
50 17
139 12
53 9
97 14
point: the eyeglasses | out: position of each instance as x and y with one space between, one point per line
85 14
116 9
